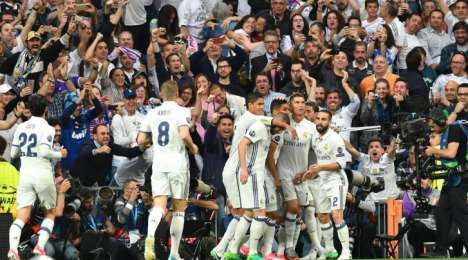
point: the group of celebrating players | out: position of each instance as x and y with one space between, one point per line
279 169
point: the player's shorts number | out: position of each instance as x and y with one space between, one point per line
30 141
335 202
163 130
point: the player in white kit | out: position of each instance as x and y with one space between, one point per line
32 142
239 225
168 127
329 148
293 162
253 148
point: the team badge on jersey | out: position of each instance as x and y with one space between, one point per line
340 152
50 138
252 133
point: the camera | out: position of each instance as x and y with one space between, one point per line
367 183
71 208
198 186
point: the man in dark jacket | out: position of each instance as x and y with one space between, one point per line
94 162
275 64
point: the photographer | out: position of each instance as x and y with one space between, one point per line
131 210
453 197
421 229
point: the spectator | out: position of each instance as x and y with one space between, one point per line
434 36
76 121
343 114
454 13
359 68
216 151
377 109
458 65
373 21
262 87
389 12
406 103
94 161
333 22
227 79
460 45
333 76
135 21
300 82
380 72
299 29
278 15
312 63
384 43
273 63
460 111
417 85
192 17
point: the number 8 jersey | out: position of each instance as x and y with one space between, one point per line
34 139
163 122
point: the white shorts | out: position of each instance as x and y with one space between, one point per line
314 187
331 196
37 183
271 198
172 184
250 195
231 185
298 192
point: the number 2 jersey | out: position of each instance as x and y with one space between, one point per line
33 141
163 122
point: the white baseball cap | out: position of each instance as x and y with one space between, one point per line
4 88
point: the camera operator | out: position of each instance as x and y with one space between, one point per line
131 210
452 203
421 229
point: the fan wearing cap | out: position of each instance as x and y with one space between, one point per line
6 95
125 127
32 61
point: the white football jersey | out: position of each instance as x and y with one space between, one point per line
257 152
163 122
294 153
28 137
240 129
330 148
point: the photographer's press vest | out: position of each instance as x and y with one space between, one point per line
453 177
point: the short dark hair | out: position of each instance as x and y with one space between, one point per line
3 145
54 122
330 115
413 59
297 61
229 117
37 105
367 2
314 106
295 95
252 97
262 74
277 103
375 139
462 25
463 85
223 59
402 80
353 17
437 11
360 44
271 33
331 91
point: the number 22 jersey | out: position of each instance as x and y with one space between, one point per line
28 139
163 122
